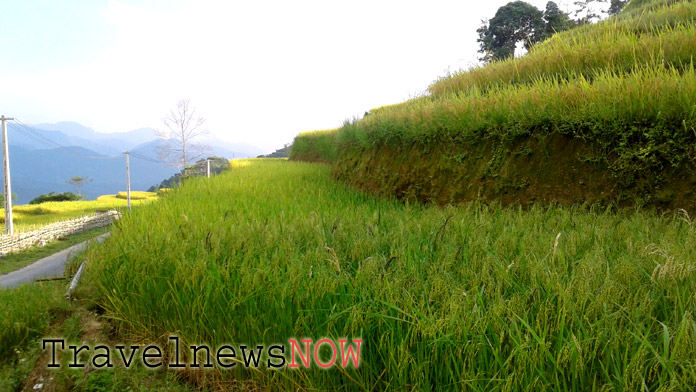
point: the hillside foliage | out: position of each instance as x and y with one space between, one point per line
65 196
619 95
198 169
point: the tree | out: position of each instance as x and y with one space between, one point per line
616 6
556 20
78 183
182 126
198 169
593 10
514 23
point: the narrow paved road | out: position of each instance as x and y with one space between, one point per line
48 267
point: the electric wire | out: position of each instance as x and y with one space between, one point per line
36 135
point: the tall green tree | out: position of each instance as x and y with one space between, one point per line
616 6
514 23
555 19
593 10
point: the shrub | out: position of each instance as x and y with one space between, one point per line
65 196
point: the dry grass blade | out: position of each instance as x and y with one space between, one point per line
671 269
333 259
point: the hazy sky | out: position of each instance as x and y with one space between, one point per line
260 72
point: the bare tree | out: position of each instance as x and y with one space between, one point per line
182 126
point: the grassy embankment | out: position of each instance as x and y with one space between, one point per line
605 112
474 297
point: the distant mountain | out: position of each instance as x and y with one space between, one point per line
229 150
83 136
69 128
279 153
134 137
43 139
36 172
43 157
217 148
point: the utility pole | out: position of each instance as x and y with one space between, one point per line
128 178
208 162
9 227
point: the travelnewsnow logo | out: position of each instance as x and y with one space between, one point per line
325 353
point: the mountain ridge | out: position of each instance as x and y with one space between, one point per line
44 156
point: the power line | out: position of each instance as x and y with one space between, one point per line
36 135
31 136
146 158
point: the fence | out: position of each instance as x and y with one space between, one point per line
44 234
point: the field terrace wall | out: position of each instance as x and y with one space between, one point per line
44 234
544 169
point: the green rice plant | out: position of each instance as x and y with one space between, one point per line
640 6
475 297
621 90
28 217
25 313
640 122
665 36
315 146
137 195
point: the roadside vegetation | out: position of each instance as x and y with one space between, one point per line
315 146
33 311
474 297
25 314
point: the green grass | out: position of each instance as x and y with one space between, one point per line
28 217
135 195
29 313
15 261
315 146
25 313
631 41
640 122
475 297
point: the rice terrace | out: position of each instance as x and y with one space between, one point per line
524 225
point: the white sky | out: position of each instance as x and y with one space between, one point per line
260 72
